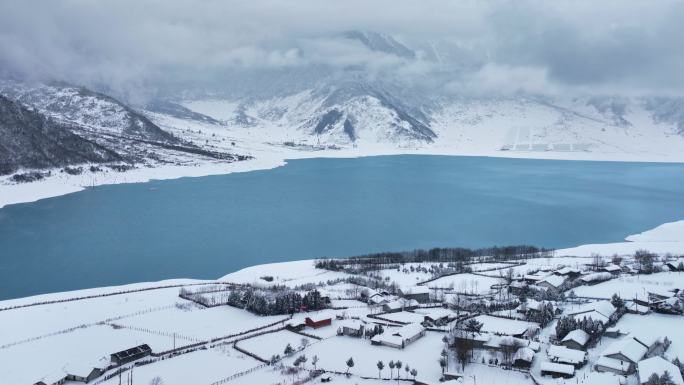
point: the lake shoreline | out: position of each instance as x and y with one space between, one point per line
59 184
661 240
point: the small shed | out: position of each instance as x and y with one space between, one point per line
419 293
523 358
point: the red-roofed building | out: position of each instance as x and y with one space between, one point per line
318 323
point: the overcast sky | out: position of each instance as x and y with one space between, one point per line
619 46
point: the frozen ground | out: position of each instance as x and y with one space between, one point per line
633 286
466 283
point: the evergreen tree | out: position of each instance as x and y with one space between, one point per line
350 364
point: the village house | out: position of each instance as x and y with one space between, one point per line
57 378
523 358
576 339
552 282
517 287
658 366
611 268
563 355
534 278
557 370
568 272
130 355
315 324
418 293
351 327
621 356
75 372
596 278
602 311
534 306
399 337
399 305
437 316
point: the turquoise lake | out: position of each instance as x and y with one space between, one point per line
207 227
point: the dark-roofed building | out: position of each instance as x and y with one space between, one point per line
419 293
132 354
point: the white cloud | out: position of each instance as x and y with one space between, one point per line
483 46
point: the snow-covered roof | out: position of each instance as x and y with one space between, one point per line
567 270
408 331
525 354
611 267
52 378
557 368
504 326
532 304
595 277
658 366
351 324
554 280
648 339
498 341
628 347
577 335
565 355
83 369
598 311
396 336
377 299
613 363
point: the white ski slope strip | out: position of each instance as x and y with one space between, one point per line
664 239
668 232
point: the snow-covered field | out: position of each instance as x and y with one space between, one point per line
466 283
203 367
634 286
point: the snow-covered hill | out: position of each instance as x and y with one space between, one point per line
112 126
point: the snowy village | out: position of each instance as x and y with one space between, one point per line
452 316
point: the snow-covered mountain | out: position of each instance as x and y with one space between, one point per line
361 116
28 139
328 107
84 126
